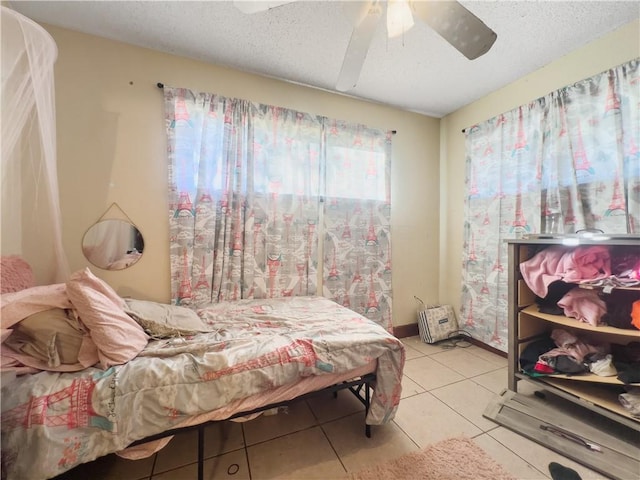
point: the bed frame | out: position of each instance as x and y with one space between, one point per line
354 386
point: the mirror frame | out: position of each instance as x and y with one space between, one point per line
113 244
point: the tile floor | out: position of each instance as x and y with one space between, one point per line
445 392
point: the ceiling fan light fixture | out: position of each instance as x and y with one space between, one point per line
399 17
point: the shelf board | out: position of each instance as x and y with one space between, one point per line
602 399
586 286
592 394
573 323
589 377
576 241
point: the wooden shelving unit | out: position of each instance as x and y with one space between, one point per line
527 324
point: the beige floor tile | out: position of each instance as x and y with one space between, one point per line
495 381
297 416
537 455
302 455
427 420
468 399
326 408
487 355
410 352
111 467
511 462
463 362
430 374
356 451
410 388
231 465
182 450
420 346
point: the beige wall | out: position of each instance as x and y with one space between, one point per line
111 148
608 51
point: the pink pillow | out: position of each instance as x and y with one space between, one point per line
16 274
118 337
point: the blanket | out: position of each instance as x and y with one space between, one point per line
254 346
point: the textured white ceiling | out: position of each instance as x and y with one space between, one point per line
304 42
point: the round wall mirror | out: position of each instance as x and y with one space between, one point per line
113 244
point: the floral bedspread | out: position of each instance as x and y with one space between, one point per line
52 421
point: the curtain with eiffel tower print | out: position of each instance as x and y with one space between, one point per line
245 183
243 198
357 233
565 162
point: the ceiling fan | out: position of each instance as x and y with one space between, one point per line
457 25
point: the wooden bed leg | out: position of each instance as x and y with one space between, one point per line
201 452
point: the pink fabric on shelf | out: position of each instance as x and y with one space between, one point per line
588 263
570 265
584 305
541 269
569 344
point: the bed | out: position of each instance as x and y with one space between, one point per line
190 367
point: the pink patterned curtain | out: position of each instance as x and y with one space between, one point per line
566 162
245 188
244 198
357 241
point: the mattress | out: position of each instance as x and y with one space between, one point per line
256 352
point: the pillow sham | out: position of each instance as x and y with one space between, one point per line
19 305
117 336
161 320
53 336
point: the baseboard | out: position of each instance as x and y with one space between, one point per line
403 331
489 348
411 330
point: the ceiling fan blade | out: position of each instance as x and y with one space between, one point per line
248 6
457 25
359 45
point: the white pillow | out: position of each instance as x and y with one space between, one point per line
161 320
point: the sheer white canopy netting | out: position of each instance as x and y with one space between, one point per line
31 219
